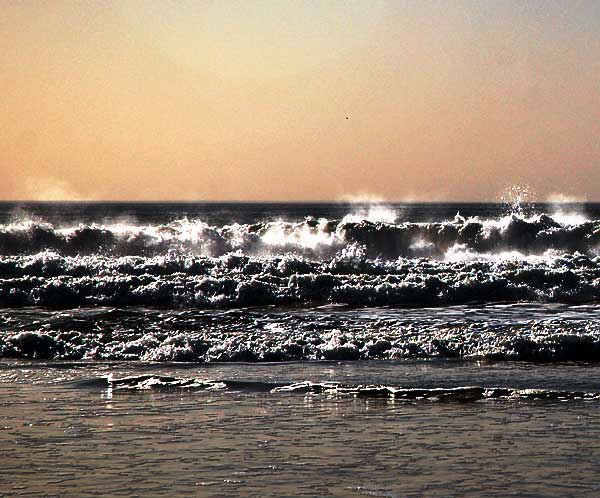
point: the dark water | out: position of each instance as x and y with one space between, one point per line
299 349
224 213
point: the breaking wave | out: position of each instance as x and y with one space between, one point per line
53 280
364 260
375 233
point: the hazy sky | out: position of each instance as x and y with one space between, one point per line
448 100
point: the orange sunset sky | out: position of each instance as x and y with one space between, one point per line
248 100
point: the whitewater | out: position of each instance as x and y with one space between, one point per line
298 282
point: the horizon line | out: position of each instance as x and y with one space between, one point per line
242 201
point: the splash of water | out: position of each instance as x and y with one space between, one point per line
519 199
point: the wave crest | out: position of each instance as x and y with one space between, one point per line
313 238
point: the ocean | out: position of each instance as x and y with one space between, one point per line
299 349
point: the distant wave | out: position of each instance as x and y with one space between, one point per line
315 239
